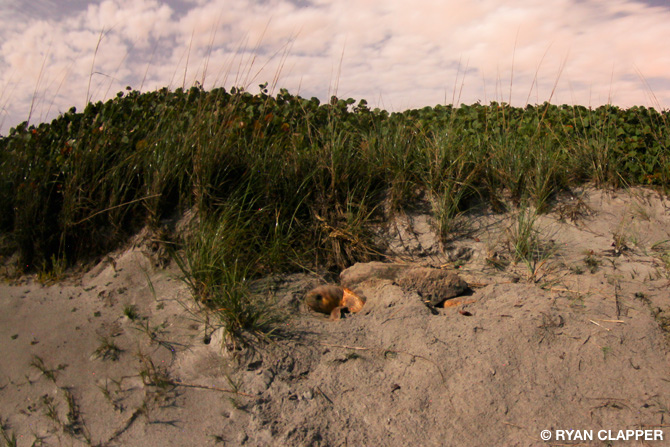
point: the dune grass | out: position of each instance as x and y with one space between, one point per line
7 435
284 183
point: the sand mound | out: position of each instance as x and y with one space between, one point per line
576 341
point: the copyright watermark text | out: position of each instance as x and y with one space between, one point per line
602 435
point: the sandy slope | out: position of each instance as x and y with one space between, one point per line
560 348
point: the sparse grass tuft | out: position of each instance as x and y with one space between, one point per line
153 375
662 251
155 333
74 424
130 311
574 209
592 262
50 374
620 242
7 436
52 271
107 350
576 269
108 395
51 410
526 242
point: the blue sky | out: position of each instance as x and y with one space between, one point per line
396 54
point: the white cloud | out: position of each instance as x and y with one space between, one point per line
393 53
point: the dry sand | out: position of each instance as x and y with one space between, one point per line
579 343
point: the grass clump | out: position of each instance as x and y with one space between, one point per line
7 435
73 425
526 243
108 350
153 375
217 264
53 271
130 311
49 373
592 262
452 171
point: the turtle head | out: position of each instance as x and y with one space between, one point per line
324 298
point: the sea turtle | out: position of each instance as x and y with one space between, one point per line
331 300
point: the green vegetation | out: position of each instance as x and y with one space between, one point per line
281 183
50 374
526 243
130 312
7 436
592 262
108 350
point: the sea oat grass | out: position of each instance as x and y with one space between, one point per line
528 242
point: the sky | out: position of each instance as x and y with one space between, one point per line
396 54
